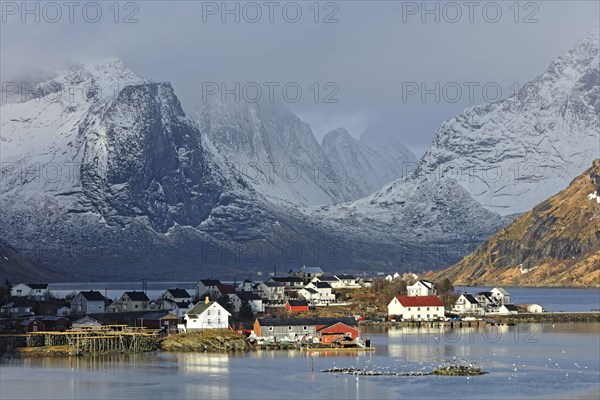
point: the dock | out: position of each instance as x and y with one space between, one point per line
87 340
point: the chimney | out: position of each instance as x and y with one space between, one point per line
206 300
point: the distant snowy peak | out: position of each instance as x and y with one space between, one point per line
514 153
360 166
275 151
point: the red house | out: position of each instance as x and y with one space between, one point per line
338 331
296 306
32 325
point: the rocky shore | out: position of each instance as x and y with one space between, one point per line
208 340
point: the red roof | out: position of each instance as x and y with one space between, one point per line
420 301
226 289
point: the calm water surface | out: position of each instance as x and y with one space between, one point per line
526 361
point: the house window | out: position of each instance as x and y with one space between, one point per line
209 321
271 328
208 312
305 328
35 328
219 321
289 328
427 308
218 312
418 308
136 306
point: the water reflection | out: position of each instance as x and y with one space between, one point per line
562 362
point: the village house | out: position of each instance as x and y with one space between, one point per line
288 281
500 295
206 315
389 278
86 322
506 309
421 288
177 308
347 281
338 331
486 301
177 295
15 310
207 286
467 304
306 273
55 323
365 282
133 301
225 290
535 308
64 311
325 293
271 292
296 306
20 290
246 286
277 329
33 291
254 300
160 320
310 295
331 280
88 302
416 308
32 325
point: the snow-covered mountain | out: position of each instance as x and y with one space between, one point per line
275 151
363 168
536 141
512 154
117 171
105 177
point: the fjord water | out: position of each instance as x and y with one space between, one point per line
545 361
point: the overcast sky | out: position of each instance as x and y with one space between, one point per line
370 60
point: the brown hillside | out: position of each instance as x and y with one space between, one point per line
555 244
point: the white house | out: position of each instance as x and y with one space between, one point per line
177 295
133 301
467 304
88 302
20 290
254 301
506 309
500 295
207 286
421 288
206 315
246 286
274 292
416 308
389 278
535 308
325 293
347 281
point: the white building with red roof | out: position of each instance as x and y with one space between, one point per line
416 308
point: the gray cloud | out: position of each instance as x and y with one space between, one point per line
369 54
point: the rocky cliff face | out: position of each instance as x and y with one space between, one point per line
557 243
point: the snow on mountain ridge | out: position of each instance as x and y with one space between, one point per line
514 153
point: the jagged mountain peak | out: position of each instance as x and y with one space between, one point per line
511 154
